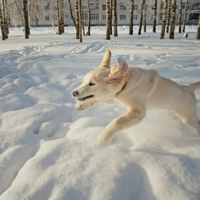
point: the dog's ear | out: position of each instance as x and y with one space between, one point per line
106 60
118 72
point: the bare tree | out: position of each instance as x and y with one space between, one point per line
111 8
168 15
71 13
19 12
173 14
89 17
131 18
80 20
180 15
141 17
144 18
3 30
34 12
26 20
60 16
198 30
49 7
6 18
4 34
77 18
155 14
107 20
185 14
164 20
115 18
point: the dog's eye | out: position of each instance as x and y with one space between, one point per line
91 84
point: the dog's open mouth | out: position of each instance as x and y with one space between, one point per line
84 98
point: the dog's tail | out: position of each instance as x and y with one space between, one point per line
195 86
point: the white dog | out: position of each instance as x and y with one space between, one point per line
138 90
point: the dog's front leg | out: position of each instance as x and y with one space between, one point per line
82 105
132 117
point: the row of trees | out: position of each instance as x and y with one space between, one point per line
31 7
169 13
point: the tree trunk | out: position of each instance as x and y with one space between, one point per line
198 30
154 18
71 13
2 22
80 20
168 15
77 19
164 20
144 18
141 17
48 8
6 18
180 15
115 18
89 17
26 24
172 27
185 14
58 15
107 20
111 8
131 18
61 30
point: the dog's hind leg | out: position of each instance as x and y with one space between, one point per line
132 117
190 118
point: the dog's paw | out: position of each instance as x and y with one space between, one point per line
101 139
81 105
104 136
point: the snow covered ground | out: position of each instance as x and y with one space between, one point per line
48 150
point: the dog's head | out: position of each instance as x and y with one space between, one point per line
102 83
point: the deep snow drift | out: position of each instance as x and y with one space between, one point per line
48 150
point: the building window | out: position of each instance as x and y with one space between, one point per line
84 7
104 17
85 17
152 17
46 7
135 17
135 7
122 17
94 6
94 17
47 18
103 7
122 7
66 17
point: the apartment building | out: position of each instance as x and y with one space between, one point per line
47 17
98 12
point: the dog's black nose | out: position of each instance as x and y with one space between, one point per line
75 93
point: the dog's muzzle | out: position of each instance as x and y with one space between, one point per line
75 93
